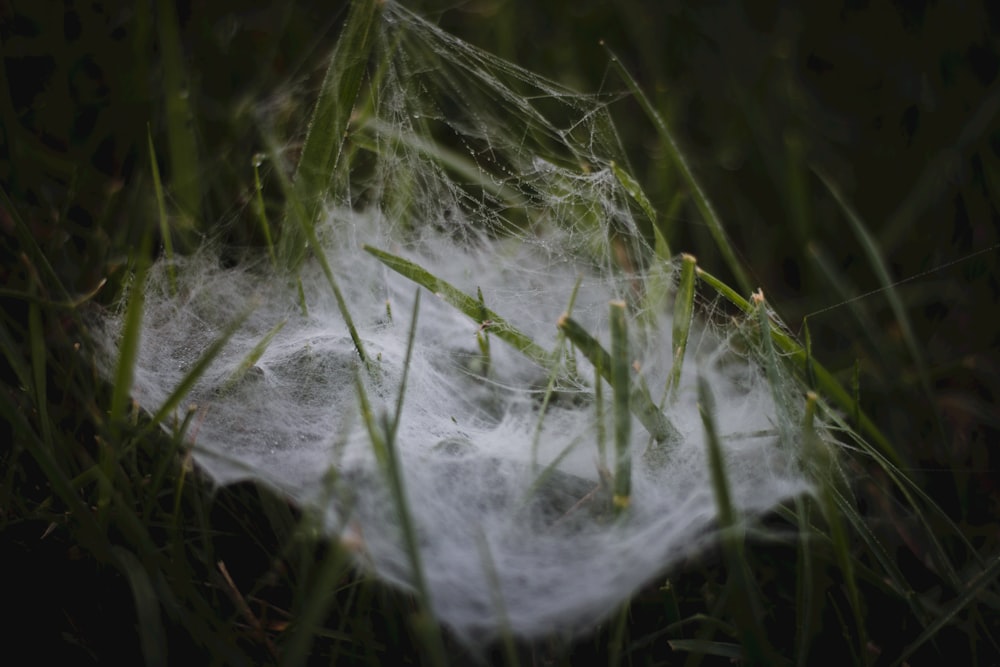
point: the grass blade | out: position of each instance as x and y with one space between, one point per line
641 404
186 178
467 305
701 199
874 254
621 383
324 141
683 313
745 605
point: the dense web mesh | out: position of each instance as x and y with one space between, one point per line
500 183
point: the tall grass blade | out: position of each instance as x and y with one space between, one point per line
161 208
745 605
870 247
319 163
382 434
184 163
621 384
128 347
704 205
261 209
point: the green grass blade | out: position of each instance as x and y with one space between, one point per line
634 190
971 592
128 347
261 209
702 201
745 605
152 635
328 126
466 304
161 208
870 247
824 379
197 370
683 315
251 358
641 404
184 163
382 434
621 384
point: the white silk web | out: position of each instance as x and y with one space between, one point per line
498 182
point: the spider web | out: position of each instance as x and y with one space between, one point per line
500 183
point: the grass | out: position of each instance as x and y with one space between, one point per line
117 550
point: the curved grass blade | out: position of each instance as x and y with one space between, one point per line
712 219
877 261
469 306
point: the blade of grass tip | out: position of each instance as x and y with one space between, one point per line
152 636
810 371
192 376
870 247
683 315
251 358
825 380
634 190
641 404
701 199
771 367
621 385
464 303
261 209
318 165
184 171
161 206
128 348
745 606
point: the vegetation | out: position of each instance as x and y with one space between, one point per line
845 160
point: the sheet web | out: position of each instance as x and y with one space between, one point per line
500 183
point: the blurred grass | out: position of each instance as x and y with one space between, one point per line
108 562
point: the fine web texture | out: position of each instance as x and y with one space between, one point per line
498 182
